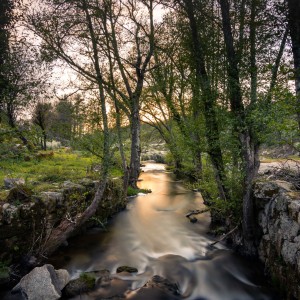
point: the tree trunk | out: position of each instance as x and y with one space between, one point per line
251 161
44 141
248 145
66 227
294 25
135 165
208 98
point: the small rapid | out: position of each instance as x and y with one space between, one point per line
154 236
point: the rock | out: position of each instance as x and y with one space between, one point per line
104 279
52 200
19 194
10 213
277 206
71 187
83 284
63 277
9 183
87 182
193 219
42 283
158 288
127 269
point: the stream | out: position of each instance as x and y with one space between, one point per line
154 236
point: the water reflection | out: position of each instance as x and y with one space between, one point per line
154 236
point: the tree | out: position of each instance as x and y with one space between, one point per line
6 8
71 22
294 27
208 96
42 117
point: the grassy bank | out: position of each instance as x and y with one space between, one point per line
46 169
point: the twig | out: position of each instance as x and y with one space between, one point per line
225 236
197 212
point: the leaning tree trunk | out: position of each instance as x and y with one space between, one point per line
66 227
135 164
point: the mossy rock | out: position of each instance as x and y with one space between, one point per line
20 194
83 284
127 269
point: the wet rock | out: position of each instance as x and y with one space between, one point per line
104 278
9 183
193 219
158 288
127 269
83 284
42 283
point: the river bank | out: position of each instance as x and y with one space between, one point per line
153 236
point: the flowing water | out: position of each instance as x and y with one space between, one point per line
154 236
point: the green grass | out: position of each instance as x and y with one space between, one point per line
44 173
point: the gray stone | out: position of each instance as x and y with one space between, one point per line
52 200
289 228
9 183
83 284
159 288
294 209
10 213
87 182
42 283
289 251
104 278
63 277
71 187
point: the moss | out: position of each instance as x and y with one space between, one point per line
19 194
83 284
4 270
88 279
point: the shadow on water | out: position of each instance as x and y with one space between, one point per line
154 236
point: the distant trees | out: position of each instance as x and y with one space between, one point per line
42 118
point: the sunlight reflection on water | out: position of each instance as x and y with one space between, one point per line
154 236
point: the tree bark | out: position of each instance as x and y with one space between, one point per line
248 144
294 26
66 226
135 164
208 98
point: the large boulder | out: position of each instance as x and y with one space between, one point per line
42 283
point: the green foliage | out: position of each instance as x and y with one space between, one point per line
4 269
